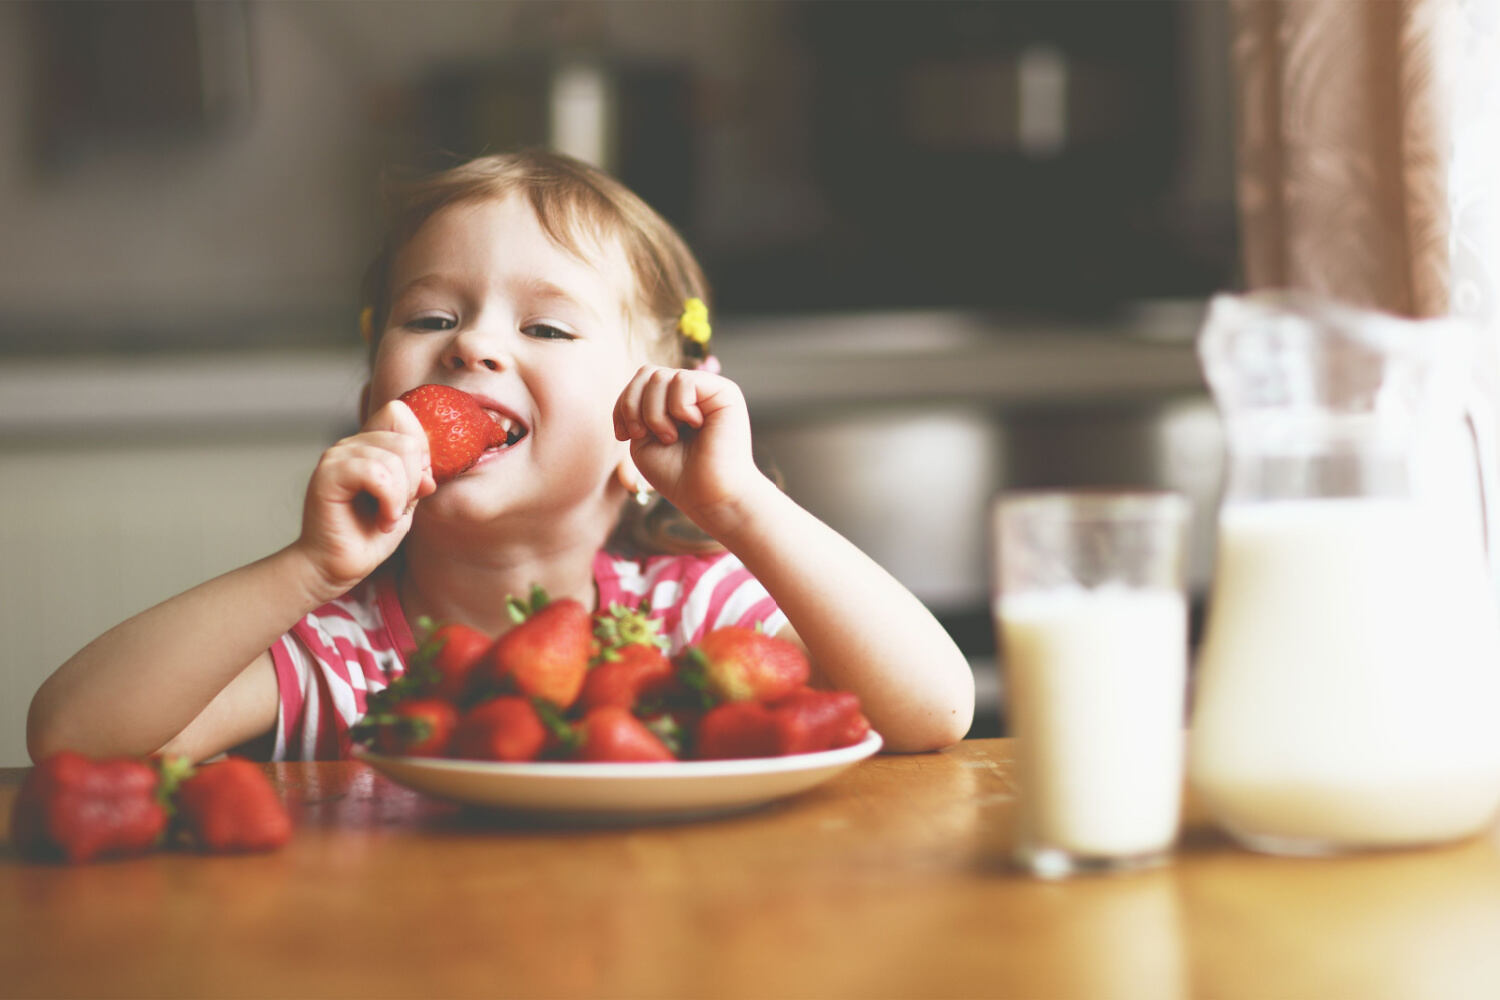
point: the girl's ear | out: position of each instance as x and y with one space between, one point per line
630 478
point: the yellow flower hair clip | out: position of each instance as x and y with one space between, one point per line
694 325
367 324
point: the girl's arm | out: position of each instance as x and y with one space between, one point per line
192 675
864 631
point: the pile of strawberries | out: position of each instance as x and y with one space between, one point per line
565 684
75 808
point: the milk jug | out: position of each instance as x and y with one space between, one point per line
1347 692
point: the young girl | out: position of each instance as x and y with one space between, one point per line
574 313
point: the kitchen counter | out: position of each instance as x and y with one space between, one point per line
889 881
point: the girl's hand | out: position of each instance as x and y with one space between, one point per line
689 434
362 495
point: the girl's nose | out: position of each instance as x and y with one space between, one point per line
473 350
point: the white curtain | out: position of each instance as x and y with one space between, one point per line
1368 160
1474 173
1369 151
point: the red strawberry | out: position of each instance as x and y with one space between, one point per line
547 654
808 721
415 727
635 673
741 664
507 728
737 729
455 650
458 428
440 667
230 806
78 809
805 721
611 733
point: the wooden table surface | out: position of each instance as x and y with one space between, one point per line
889 881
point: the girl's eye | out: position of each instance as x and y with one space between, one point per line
543 331
431 323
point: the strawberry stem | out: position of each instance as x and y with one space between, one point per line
171 773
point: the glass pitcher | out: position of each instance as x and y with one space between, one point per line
1348 686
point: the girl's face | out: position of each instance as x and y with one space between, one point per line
484 301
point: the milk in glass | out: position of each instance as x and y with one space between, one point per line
1095 687
1349 679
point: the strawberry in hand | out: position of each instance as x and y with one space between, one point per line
458 429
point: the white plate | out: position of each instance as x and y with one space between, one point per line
625 793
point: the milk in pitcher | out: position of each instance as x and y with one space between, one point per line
1349 678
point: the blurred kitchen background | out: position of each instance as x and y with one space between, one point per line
957 247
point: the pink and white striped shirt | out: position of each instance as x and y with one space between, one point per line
337 656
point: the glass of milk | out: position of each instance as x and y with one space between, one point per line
1091 616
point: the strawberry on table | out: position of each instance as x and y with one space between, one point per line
507 728
230 806
547 654
74 808
734 663
611 733
459 430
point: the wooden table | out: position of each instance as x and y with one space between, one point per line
890 881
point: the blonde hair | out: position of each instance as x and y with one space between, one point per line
580 208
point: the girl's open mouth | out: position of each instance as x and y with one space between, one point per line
512 428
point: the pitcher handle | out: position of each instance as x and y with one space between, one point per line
1480 416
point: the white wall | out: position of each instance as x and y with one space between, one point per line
93 533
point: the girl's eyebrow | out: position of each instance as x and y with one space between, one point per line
433 281
534 287
541 288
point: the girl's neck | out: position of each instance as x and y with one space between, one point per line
467 584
